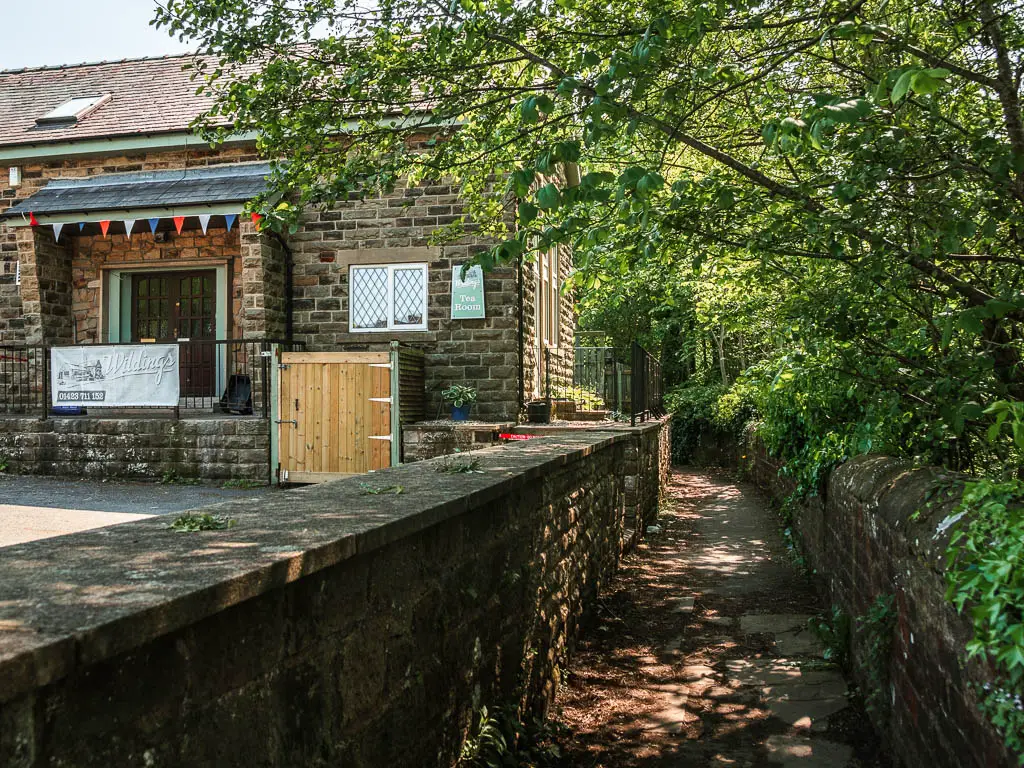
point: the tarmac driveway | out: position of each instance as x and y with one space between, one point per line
40 507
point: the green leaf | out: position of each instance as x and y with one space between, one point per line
548 197
527 213
902 86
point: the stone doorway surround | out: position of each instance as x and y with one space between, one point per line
56 292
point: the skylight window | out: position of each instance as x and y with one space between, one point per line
72 110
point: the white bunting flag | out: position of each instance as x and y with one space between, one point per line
129 225
56 231
204 221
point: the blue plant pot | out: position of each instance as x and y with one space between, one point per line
461 412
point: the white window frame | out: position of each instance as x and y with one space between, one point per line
391 326
549 326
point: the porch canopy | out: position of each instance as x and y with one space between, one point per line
220 189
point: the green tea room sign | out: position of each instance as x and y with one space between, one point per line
468 293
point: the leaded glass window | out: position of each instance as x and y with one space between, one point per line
388 297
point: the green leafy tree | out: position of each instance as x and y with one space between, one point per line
857 169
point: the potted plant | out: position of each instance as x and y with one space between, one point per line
462 398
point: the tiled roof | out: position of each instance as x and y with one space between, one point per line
154 189
148 96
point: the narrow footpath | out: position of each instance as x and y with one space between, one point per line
701 655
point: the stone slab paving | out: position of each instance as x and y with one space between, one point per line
724 670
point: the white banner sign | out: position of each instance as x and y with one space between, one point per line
116 376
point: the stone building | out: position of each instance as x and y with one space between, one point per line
117 224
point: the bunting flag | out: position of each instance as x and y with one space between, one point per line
230 219
256 218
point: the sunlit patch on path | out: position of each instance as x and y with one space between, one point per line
20 523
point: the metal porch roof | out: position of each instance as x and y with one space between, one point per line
214 185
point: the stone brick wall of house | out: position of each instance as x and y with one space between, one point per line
263 305
397 228
90 254
306 637
46 282
137 448
873 532
20 321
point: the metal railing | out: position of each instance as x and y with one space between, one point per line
645 385
596 379
215 375
585 379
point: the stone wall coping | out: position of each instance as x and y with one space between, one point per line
576 427
893 490
459 426
74 600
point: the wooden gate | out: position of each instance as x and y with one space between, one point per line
334 414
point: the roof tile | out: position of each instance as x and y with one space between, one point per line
148 96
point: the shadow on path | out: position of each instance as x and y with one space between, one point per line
701 653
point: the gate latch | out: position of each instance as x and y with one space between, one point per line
293 422
282 366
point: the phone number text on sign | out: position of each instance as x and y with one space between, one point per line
82 397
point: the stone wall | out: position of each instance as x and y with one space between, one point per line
385 229
427 440
137 448
45 287
647 467
397 228
90 254
17 244
873 532
329 626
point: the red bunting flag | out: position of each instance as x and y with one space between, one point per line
256 219
179 222
32 219
104 226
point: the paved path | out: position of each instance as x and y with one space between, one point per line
40 507
702 656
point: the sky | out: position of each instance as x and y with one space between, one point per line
52 32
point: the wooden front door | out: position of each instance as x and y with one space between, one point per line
334 414
180 306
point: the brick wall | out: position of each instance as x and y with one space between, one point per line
872 533
304 636
137 448
398 228
45 287
24 318
91 253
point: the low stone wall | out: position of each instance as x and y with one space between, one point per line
646 471
329 626
873 532
219 448
427 440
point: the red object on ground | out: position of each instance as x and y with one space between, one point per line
511 436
